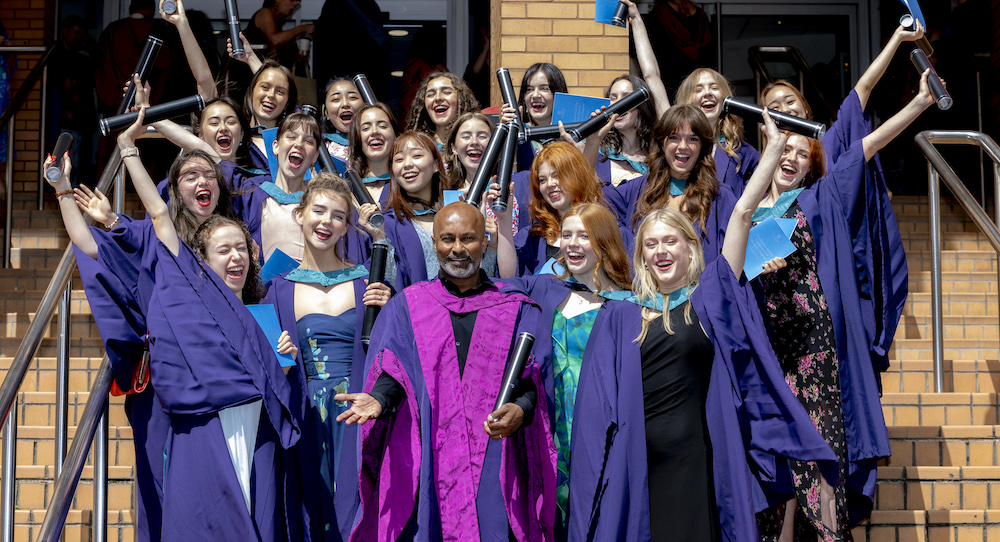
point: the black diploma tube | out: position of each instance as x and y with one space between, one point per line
233 18
325 160
156 113
593 124
146 59
380 253
504 170
941 96
169 7
909 22
489 160
790 123
515 366
361 194
507 92
367 94
548 132
621 15
63 143
310 109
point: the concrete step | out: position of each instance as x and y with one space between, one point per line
944 446
936 409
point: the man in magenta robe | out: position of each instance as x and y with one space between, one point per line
437 462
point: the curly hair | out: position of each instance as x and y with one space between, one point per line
293 92
456 171
418 120
729 127
577 179
185 222
401 202
644 283
253 289
644 121
606 240
557 83
358 160
698 195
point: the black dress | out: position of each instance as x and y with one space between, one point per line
675 373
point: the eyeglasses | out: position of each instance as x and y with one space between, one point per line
193 176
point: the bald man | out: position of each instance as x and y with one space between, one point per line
437 461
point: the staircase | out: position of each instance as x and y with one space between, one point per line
941 485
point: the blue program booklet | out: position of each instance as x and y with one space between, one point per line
278 263
604 10
767 240
267 319
914 8
451 196
570 108
269 136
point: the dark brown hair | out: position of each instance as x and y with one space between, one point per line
184 220
253 289
401 202
418 120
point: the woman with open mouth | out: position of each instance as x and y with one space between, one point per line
735 159
681 176
269 201
560 178
573 308
823 327
534 101
322 303
661 445
341 104
440 100
372 136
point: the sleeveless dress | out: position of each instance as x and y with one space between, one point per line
569 340
327 346
675 375
797 311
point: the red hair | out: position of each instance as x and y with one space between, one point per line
577 179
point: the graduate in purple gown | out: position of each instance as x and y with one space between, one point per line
682 176
560 178
573 311
321 303
735 159
440 100
811 309
677 431
372 136
438 463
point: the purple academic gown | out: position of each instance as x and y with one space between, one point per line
625 197
735 172
879 256
754 421
340 513
208 353
411 267
118 285
831 206
431 460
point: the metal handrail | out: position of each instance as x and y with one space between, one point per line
790 55
33 76
937 169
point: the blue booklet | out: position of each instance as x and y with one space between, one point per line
570 108
767 240
451 196
914 8
278 263
267 319
604 10
269 136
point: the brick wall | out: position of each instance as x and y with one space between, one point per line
562 32
28 23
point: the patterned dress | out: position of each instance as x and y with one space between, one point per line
797 312
569 340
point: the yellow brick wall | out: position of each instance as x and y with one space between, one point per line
562 32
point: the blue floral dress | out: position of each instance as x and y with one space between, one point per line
796 311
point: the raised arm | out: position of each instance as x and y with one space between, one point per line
892 127
156 208
192 51
734 248
647 60
250 57
79 232
878 66
175 133
275 36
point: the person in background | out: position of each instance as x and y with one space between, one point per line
681 35
359 25
265 28
71 82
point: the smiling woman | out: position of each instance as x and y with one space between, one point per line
441 99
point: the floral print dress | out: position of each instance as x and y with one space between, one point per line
796 311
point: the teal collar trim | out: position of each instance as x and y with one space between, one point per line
329 278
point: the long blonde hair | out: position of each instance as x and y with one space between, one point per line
644 284
730 127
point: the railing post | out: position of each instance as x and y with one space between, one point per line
933 193
62 377
41 134
101 477
9 476
9 193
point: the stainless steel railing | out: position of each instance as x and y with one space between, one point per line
938 169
